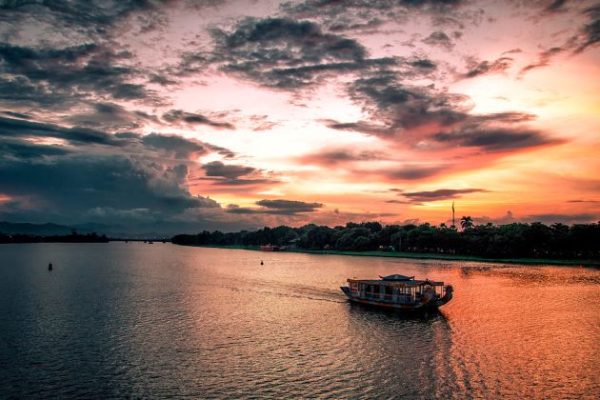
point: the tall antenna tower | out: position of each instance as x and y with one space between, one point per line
453 224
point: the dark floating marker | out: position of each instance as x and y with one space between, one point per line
261 262
50 267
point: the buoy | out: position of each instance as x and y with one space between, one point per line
50 267
261 262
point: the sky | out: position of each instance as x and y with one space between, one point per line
189 115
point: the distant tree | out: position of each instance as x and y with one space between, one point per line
466 222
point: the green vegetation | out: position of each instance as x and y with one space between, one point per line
476 242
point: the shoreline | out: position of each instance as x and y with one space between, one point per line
420 256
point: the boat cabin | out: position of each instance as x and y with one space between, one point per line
395 289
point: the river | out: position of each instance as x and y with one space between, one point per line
133 320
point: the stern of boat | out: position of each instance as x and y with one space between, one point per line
449 290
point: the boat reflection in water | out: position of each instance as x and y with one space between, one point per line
399 292
404 355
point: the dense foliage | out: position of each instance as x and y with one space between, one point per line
72 238
536 240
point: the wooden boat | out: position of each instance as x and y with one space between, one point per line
399 292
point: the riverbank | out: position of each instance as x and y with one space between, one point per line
424 256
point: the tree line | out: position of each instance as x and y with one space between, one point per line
515 240
74 237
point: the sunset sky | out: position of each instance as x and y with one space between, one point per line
189 115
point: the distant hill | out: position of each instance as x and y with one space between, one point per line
48 229
51 229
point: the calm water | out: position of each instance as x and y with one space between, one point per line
133 320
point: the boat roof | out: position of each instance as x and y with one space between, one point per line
411 281
396 277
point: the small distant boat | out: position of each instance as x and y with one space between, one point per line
269 247
399 292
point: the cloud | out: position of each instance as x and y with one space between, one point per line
583 201
22 149
25 128
591 31
194 119
488 67
359 126
439 194
422 118
333 156
543 60
222 174
110 116
175 146
411 172
71 186
70 72
276 207
403 106
555 6
217 168
585 37
496 139
439 39
285 53
365 15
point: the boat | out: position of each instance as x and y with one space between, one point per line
399 292
269 247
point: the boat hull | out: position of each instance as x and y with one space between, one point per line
431 305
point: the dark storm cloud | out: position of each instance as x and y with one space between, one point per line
496 139
440 194
16 114
276 207
175 146
422 116
94 16
57 75
72 186
285 53
24 128
22 149
362 12
489 67
110 116
171 146
405 106
174 116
